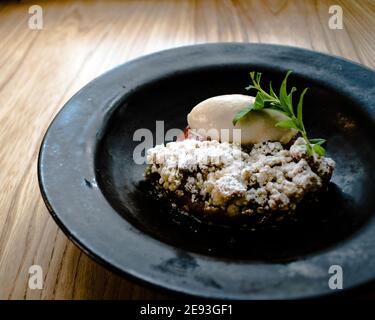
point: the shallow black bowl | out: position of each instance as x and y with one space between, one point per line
94 189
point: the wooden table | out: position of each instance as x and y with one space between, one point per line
41 69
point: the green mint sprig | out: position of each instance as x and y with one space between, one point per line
282 103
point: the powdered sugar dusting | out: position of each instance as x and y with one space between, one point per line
225 178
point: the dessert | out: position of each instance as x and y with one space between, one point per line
216 113
261 178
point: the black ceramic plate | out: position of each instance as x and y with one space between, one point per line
94 190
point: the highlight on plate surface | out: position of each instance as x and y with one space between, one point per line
242 158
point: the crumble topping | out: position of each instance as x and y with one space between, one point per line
223 178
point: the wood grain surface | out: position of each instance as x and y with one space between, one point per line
41 69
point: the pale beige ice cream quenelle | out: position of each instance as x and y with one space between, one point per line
257 126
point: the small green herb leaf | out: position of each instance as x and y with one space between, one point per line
287 124
242 113
262 101
283 104
273 94
310 150
299 109
317 141
290 97
259 101
283 95
319 149
258 76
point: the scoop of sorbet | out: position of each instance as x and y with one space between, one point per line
215 115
